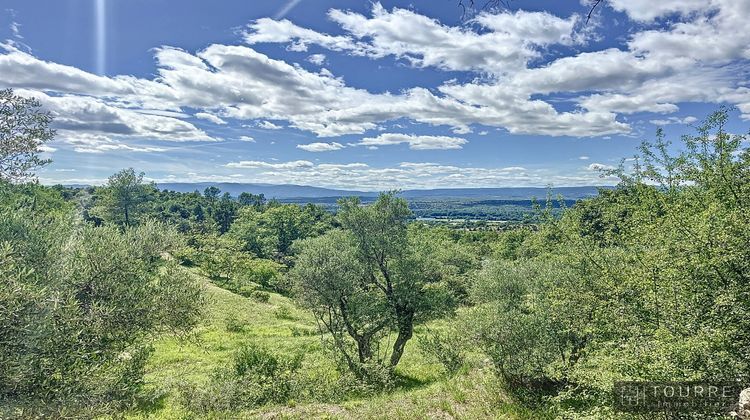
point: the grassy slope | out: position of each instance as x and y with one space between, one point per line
424 392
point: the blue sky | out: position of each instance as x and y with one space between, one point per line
354 94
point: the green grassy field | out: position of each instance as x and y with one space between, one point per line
423 391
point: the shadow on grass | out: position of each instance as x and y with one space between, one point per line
151 401
407 383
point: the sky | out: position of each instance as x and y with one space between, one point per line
370 95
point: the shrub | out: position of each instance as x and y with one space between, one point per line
283 312
234 325
444 348
260 296
253 378
79 305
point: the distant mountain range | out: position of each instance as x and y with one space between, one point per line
292 192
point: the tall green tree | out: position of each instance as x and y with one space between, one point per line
224 213
121 200
24 129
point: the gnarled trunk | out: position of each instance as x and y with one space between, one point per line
405 332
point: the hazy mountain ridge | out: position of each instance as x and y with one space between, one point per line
291 191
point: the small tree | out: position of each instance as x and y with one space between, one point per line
24 128
123 197
373 277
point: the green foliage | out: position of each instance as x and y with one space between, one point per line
377 276
445 348
221 257
24 128
122 200
260 296
79 305
270 233
283 312
224 261
648 281
254 377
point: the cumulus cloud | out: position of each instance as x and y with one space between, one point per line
268 125
599 167
321 147
247 139
317 59
415 142
674 120
697 57
86 114
47 149
647 10
506 41
210 117
409 175
254 164
96 143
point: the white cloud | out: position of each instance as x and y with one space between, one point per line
238 82
648 10
583 157
210 117
86 114
359 175
674 120
47 149
15 29
284 31
699 57
247 139
415 142
268 125
317 59
599 167
255 164
321 147
82 142
504 42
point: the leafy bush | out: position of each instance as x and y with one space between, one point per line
253 378
444 348
234 325
79 304
283 312
260 296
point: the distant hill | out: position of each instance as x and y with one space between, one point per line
269 190
292 192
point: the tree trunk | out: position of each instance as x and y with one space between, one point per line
405 332
363 348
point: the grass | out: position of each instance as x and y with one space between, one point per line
231 320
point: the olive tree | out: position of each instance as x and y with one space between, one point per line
80 307
372 278
24 128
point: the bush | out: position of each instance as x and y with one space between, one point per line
79 305
283 312
648 281
234 325
253 378
443 348
260 296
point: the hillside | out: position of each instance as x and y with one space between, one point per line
231 320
